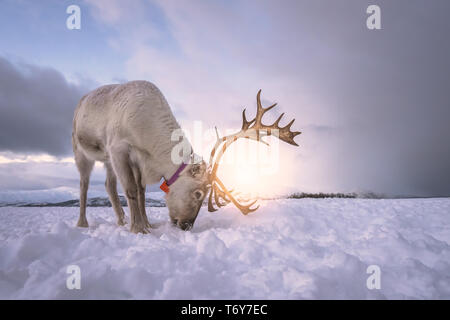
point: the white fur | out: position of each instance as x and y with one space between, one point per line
128 127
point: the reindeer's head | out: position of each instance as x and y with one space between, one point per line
186 195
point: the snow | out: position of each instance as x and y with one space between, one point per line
288 249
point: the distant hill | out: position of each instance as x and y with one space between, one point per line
302 195
360 195
92 202
157 200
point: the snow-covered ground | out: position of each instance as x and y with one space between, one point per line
294 249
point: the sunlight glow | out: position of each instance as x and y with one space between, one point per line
256 170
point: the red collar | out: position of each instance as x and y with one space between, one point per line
165 185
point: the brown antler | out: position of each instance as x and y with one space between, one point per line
253 130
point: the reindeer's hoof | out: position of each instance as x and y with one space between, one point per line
82 223
121 222
139 229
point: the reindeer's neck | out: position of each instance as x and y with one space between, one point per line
157 145
161 166
170 165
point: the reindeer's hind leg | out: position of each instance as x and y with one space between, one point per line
84 166
111 188
120 159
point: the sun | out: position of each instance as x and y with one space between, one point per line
249 168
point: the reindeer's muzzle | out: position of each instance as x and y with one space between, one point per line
184 225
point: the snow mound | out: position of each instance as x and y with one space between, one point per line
288 249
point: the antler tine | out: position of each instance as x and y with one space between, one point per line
260 111
277 122
245 124
285 134
258 101
288 126
217 133
215 192
210 204
219 194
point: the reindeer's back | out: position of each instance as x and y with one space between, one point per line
135 111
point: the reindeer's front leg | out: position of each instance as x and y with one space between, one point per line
140 195
122 166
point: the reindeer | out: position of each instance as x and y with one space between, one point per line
129 128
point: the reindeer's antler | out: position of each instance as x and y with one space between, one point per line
253 130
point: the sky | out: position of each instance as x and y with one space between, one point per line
373 105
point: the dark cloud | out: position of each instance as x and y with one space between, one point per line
36 109
32 175
386 92
37 176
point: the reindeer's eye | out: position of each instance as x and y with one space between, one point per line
198 194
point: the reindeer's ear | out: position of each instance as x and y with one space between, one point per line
198 169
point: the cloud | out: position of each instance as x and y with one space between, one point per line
36 109
32 175
373 105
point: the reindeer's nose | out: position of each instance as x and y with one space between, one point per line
186 225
